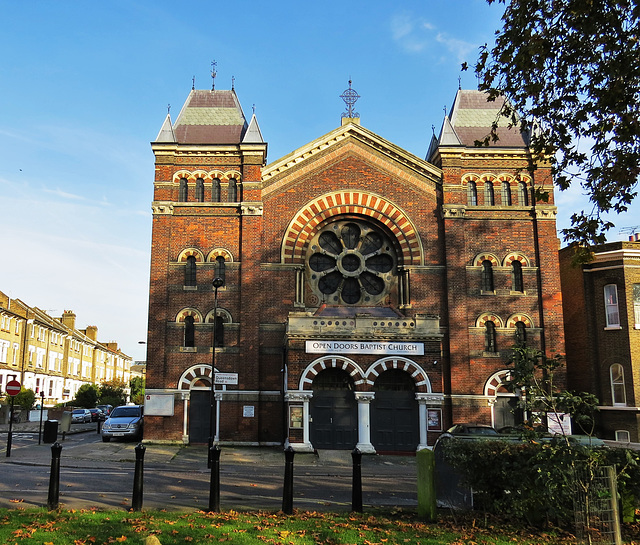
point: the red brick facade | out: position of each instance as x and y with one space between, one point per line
369 300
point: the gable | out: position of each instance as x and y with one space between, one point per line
351 143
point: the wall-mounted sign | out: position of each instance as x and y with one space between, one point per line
434 419
158 405
295 417
226 378
365 347
248 411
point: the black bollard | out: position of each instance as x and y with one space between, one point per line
287 492
214 484
99 426
138 477
54 477
356 491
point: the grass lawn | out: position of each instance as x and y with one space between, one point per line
31 526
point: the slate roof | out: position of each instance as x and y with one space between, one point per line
471 118
210 117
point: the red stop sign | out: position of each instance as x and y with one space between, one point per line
13 387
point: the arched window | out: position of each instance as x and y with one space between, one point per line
487 275
490 337
220 269
618 394
219 330
233 190
611 305
489 197
183 196
516 276
472 194
200 190
506 194
523 194
190 271
189 332
521 334
215 190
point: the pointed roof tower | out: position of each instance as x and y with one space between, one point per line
210 117
470 120
166 133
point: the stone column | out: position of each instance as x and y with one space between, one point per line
304 397
185 410
364 422
424 400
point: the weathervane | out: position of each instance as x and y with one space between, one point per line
350 97
214 64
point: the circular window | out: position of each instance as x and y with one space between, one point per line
351 263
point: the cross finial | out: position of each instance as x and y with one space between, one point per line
350 97
459 83
444 109
233 83
214 65
193 83
433 129
254 109
168 109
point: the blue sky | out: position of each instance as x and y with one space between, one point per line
85 87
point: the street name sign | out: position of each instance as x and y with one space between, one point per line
226 378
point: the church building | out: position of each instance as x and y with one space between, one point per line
349 294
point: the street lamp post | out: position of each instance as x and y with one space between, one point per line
217 283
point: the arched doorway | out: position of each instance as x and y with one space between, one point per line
199 414
394 412
505 410
334 411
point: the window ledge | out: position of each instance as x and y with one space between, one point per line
188 349
490 354
190 288
517 292
483 292
612 327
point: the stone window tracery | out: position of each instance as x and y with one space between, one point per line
350 262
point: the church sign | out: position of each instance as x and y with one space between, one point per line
365 347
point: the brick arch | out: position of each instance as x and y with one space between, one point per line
222 312
488 178
470 177
229 174
418 374
187 252
489 317
477 261
177 176
495 382
305 223
197 317
524 318
228 257
200 371
330 362
516 256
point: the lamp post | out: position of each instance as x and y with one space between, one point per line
217 283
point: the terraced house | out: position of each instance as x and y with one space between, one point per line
363 296
51 356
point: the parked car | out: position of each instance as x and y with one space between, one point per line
124 421
106 409
97 415
463 430
80 416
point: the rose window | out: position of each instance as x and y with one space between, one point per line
351 263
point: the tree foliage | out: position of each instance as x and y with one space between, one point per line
137 385
534 376
113 392
86 396
571 69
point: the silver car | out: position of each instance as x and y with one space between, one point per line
123 421
80 415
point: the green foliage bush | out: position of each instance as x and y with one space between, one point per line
533 482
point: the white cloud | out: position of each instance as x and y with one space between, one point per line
416 35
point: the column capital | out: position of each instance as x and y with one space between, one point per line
298 395
430 398
364 397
